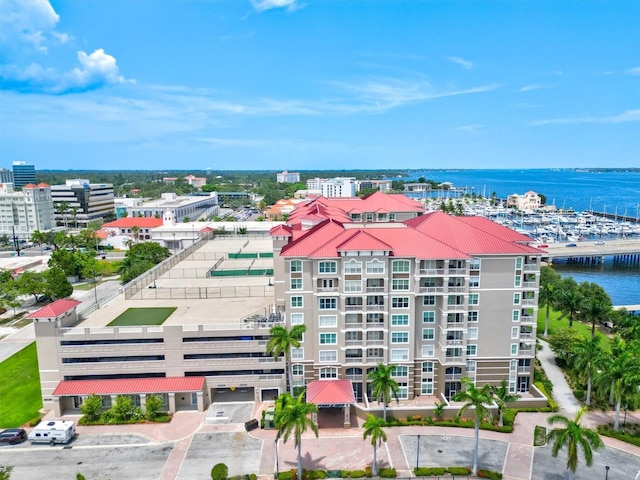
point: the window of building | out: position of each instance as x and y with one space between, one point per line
514 349
328 338
474 299
327 321
428 351
427 367
516 316
474 315
516 298
399 320
400 284
472 333
399 337
328 372
517 281
392 217
518 263
298 370
428 333
471 366
400 266
474 264
400 371
296 302
515 332
400 302
295 266
472 350
426 387
328 356
428 300
352 266
296 284
428 317
375 266
403 391
352 286
327 303
327 267
297 318
297 353
474 281
399 354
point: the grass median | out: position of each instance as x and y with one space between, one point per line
20 396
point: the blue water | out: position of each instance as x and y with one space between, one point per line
610 192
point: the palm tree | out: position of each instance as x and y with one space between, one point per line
568 299
593 310
39 238
373 428
383 385
575 437
135 231
587 359
63 208
281 342
74 215
502 396
478 399
549 281
293 417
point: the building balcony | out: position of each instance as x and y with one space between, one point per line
526 335
457 342
529 285
527 350
524 370
328 289
435 289
353 308
375 342
453 360
453 377
531 267
375 290
358 325
431 271
527 319
357 342
375 308
353 360
529 301
375 359
457 271
456 289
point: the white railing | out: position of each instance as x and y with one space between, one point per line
438 289
531 267
431 271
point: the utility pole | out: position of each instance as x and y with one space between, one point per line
16 243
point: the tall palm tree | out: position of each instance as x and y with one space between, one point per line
549 281
384 386
593 310
135 231
63 208
373 428
502 396
281 342
292 417
74 216
39 238
587 359
575 437
478 399
568 300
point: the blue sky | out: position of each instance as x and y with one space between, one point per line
315 84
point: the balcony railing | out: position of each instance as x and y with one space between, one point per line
528 284
527 319
457 271
531 267
431 271
374 359
526 335
354 342
375 289
452 377
375 307
352 308
456 288
328 289
524 369
449 360
529 301
375 342
353 325
453 342
353 360
434 289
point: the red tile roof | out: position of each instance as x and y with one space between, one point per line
330 392
55 309
280 231
140 222
123 386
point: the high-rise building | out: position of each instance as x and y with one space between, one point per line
23 173
6 176
21 213
288 177
333 187
85 202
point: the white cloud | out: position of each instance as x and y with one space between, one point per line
29 24
628 116
263 5
96 70
633 71
466 64
534 86
469 128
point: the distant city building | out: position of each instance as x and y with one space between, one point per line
196 182
86 202
288 177
282 207
382 185
23 173
191 207
6 176
123 204
333 187
169 180
417 187
24 212
125 226
528 201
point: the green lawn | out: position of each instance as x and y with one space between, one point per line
555 324
142 316
20 397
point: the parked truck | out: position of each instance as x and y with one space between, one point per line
53 431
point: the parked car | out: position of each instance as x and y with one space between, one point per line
571 245
599 242
13 435
544 245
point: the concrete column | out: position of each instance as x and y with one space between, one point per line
143 402
57 406
347 416
314 417
172 402
200 400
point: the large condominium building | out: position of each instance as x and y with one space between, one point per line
530 201
441 297
287 177
21 213
333 187
23 174
180 207
85 202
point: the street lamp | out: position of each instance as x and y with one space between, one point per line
418 453
606 475
174 243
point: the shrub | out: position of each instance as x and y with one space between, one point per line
459 470
387 473
545 392
489 474
357 474
539 436
35 421
253 476
286 475
429 471
152 406
91 407
219 472
123 409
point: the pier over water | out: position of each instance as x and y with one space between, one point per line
623 251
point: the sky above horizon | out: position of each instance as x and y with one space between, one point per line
319 84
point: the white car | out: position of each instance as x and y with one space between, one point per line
599 242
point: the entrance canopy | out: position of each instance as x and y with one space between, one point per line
330 393
122 386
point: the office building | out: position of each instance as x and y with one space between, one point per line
22 213
85 202
182 208
287 177
23 173
332 187
6 176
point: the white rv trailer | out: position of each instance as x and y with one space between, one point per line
53 431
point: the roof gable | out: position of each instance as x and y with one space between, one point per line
55 309
330 392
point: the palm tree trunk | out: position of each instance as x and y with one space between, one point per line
616 422
374 467
570 475
287 359
546 322
384 410
501 419
611 395
588 400
474 470
299 472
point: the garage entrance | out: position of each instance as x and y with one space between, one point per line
232 394
269 394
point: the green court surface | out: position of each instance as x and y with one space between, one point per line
142 316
